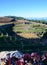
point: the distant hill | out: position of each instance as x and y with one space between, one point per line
16 17
35 18
6 20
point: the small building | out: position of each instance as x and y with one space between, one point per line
27 22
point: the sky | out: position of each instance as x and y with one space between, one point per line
23 8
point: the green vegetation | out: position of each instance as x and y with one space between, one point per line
17 18
10 40
38 29
38 21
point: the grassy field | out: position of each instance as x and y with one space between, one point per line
28 35
37 29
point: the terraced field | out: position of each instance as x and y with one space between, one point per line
21 36
30 30
28 35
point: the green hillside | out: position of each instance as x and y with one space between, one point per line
11 38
